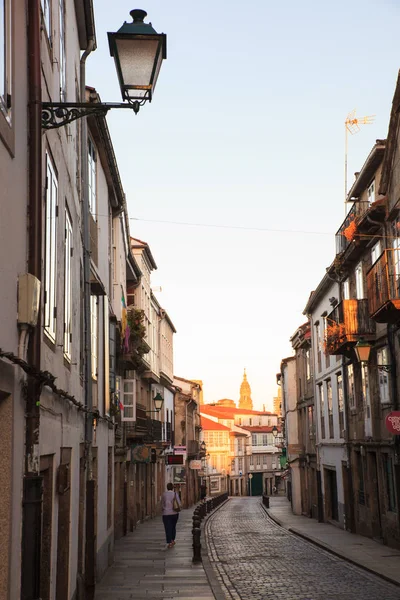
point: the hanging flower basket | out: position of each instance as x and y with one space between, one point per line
335 334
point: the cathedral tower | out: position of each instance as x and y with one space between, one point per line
245 394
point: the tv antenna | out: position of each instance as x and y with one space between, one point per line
352 125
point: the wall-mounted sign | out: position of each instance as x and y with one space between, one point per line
195 464
215 484
295 449
180 449
140 454
179 475
174 459
392 422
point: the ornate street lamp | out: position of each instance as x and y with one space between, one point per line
275 431
138 51
158 402
362 350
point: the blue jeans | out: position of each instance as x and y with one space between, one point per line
170 522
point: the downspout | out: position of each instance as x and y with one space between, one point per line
32 484
90 539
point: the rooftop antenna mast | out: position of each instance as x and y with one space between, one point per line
352 126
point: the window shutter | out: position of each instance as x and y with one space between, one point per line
128 409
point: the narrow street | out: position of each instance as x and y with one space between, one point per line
255 559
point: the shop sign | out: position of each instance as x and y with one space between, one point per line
180 449
140 453
393 422
179 475
195 464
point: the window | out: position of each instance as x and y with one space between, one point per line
346 290
250 422
382 357
396 246
258 460
265 460
46 13
94 317
339 386
371 192
351 391
240 445
365 389
330 407
240 464
50 292
375 252
112 331
308 365
128 400
322 409
62 65
5 56
92 159
318 345
390 490
251 460
311 429
68 287
254 439
265 439
359 282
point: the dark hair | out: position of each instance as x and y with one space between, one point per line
170 486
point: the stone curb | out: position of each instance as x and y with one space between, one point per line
209 571
329 549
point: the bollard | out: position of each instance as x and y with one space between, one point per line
196 545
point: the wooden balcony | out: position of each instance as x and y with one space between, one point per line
347 324
383 287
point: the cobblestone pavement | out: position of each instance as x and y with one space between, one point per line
255 559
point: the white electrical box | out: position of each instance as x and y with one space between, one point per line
28 299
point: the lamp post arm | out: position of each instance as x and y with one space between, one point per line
58 114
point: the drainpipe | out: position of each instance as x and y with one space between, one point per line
32 484
90 540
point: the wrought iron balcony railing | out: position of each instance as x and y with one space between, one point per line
383 287
348 229
346 324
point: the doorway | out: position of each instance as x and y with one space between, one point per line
331 496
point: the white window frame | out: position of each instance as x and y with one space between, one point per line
351 392
376 252
359 281
68 253
382 357
92 177
346 290
365 389
62 59
94 332
396 246
50 291
371 192
128 410
46 15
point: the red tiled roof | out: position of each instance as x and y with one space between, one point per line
228 412
260 428
209 425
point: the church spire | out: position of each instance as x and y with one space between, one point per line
245 400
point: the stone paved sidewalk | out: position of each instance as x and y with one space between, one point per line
144 569
360 550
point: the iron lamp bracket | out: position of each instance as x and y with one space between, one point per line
58 114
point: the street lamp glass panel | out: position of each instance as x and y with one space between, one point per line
139 64
362 350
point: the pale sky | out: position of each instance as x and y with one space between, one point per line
245 134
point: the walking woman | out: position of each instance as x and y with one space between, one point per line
171 505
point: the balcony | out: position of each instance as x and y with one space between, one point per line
346 324
347 231
144 429
383 287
